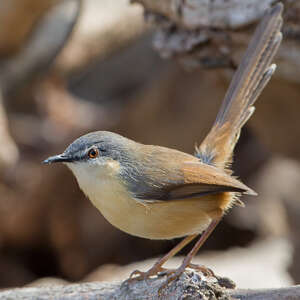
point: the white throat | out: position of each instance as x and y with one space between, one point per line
101 184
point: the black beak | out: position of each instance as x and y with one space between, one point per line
57 158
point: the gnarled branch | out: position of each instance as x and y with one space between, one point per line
190 285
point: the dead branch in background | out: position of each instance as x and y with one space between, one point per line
42 44
215 33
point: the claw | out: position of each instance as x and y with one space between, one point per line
172 274
136 274
139 275
175 274
206 271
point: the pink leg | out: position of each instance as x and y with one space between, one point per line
187 260
157 267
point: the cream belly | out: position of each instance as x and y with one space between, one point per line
153 220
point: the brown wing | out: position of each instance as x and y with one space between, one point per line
201 179
254 72
168 174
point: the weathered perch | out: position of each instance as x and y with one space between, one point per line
190 285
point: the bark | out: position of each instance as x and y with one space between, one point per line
213 34
190 286
222 14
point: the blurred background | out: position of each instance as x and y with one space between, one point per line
71 67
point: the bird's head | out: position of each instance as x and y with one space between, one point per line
94 155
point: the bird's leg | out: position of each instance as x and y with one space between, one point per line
157 267
187 260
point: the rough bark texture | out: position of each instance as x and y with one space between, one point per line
204 33
222 14
190 286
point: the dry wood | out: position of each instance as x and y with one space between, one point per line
218 14
191 285
204 32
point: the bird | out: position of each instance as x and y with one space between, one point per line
160 193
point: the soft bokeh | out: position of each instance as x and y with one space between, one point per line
59 81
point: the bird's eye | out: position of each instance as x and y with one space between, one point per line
93 153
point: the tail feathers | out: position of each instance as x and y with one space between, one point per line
254 72
249 110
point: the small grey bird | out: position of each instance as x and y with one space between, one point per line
160 193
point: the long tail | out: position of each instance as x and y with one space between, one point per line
252 75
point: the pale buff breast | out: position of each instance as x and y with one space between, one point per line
155 220
165 220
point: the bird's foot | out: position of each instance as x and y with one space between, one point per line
139 275
176 273
206 271
171 274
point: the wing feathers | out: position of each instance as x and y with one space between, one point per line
198 180
210 175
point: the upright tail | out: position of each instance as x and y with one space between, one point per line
252 75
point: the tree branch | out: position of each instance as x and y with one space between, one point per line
206 13
190 285
204 32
